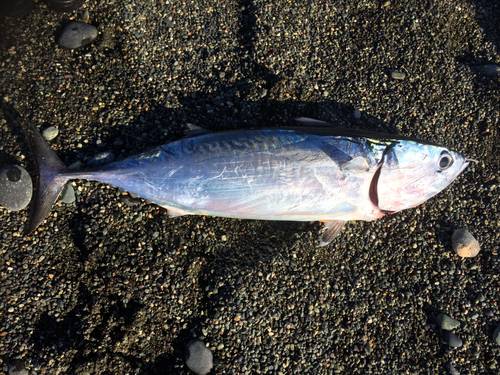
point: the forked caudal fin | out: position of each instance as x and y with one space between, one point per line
51 178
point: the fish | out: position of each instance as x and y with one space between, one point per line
314 171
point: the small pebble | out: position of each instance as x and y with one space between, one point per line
489 313
398 75
77 34
16 188
447 323
496 336
474 315
50 133
451 339
451 369
356 114
167 22
85 15
18 368
101 159
491 70
68 194
199 358
464 244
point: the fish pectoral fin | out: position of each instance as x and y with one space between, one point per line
333 228
312 122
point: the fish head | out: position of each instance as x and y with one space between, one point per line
413 172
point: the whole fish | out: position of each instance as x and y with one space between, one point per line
316 171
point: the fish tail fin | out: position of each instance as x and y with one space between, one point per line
51 176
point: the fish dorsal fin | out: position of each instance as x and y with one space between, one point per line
313 123
195 130
357 165
333 228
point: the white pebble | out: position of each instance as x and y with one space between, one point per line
464 244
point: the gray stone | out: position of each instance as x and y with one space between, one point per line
447 323
16 188
68 194
398 75
50 133
356 114
199 358
489 313
451 369
491 70
77 34
18 368
496 336
451 339
464 244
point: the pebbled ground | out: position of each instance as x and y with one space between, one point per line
108 288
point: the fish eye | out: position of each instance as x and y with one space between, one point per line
445 161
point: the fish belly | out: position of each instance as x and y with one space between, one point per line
257 174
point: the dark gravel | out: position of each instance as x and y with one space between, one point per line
108 288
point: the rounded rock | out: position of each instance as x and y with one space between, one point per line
491 70
464 244
50 133
199 358
451 339
447 323
489 313
356 114
452 370
18 368
16 188
496 336
398 75
77 34
68 194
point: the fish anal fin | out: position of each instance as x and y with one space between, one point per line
333 228
174 212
